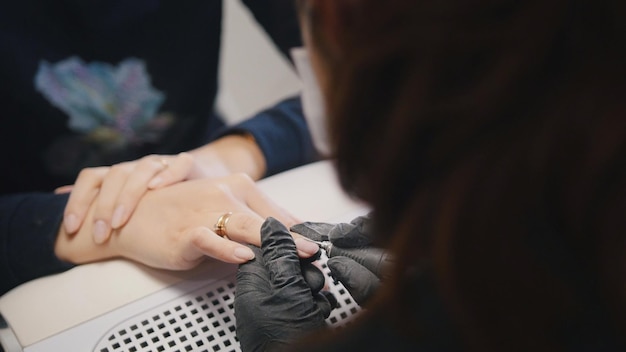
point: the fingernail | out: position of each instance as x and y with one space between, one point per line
118 216
155 182
306 246
244 253
71 223
100 231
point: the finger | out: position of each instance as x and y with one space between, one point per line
306 249
281 258
179 168
317 231
253 278
253 288
245 188
63 189
84 191
283 265
350 235
105 203
242 226
360 282
326 301
313 276
206 242
134 187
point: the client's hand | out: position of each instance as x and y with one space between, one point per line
274 303
174 227
116 190
358 280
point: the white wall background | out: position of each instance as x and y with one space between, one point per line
253 73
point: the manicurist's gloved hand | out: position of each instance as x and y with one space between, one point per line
358 280
278 295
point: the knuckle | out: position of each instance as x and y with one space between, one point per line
151 161
248 224
92 172
151 158
118 168
242 179
186 157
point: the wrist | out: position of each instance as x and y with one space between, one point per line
233 153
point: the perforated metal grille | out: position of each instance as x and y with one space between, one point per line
202 320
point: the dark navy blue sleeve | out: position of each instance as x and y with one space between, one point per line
29 224
282 134
281 131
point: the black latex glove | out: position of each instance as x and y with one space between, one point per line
274 303
358 280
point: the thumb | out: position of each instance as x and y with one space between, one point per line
316 231
279 253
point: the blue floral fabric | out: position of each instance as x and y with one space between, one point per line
111 104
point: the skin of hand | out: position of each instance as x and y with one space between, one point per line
172 227
120 187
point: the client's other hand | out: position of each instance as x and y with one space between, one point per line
278 296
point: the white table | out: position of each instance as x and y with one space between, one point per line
94 307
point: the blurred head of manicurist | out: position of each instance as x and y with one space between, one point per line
490 139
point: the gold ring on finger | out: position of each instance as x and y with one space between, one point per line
220 225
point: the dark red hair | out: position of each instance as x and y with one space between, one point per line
490 139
